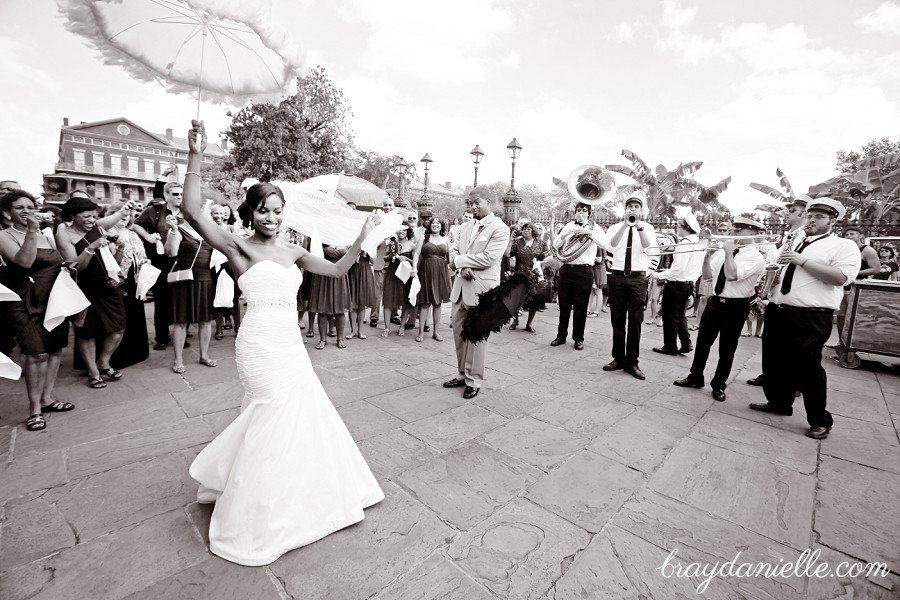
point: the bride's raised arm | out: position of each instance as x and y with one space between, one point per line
225 242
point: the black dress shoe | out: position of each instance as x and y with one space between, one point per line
719 395
470 392
160 346
685 349
688 382
635 371
758 380
373 322
427 328
664 350
557 342
615 365
395 320
818 433
766 407
454 383
579 345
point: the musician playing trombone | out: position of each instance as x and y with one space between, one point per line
576 276
627 284
687 261
734 271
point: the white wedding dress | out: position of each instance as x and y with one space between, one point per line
286 472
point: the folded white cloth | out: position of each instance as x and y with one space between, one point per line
404 270
7 295
224 291
66 298
109 263
147 276
9 369
414 288
216 260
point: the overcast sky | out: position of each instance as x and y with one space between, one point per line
744 87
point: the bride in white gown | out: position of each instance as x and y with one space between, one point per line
286 472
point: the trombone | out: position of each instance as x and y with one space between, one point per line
717 242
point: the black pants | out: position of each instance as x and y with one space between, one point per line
627 296
674 302
161 317
574 293
792 359
725 321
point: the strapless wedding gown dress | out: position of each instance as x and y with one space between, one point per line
286 472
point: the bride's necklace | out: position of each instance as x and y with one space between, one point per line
17 231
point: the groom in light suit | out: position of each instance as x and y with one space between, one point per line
475 255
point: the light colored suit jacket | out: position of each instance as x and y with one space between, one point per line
482 255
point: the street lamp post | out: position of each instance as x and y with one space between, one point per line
425 205
402 169
476 158
511 200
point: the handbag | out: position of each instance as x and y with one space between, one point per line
541 291
183 274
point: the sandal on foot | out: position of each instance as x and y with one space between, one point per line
35 423
419 338
530 329
219 335
437 337
57 407
401 332
385 332
349 336
178 369
111 373
361 336
310 333
341 344
208 362
96 382
321 344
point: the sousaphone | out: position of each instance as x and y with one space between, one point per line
591 185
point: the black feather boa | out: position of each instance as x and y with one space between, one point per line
475 329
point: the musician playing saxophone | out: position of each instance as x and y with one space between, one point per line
627 284
734 271
576 277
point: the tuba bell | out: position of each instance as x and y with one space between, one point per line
592 185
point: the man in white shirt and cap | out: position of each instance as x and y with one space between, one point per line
799 317
734 271
687 263
627 283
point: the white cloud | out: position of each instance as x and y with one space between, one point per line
884 19
511 61
625 31
675 17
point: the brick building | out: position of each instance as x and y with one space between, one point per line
115 160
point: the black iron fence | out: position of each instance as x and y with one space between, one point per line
870 227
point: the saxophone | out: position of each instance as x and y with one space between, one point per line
772 274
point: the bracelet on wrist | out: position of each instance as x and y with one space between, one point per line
192 173
91 252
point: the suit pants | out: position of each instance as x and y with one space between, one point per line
161 316
792 359
722 318
627 297
469 356
674 302
573 294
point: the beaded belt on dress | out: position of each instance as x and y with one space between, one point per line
279 302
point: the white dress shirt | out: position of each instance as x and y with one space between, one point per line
809 292
687 262
589 255
639 260
750 264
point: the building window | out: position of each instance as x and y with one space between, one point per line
133 166
116 164
78 158
98 161
106 144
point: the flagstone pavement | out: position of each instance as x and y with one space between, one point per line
559 481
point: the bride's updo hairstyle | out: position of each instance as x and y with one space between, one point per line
256 195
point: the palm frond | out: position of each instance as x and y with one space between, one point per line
627 171
639 165
783 181
688 169
770 191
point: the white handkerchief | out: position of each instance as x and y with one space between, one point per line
224 291
9 369
147 276
404 270
414 290
109 262
66 298
7 295
216 260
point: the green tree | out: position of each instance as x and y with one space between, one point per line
869 180
307 134
375 167
848 161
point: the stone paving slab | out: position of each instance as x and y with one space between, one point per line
210 398
365 420
214 579
865 443
868 584
455 426
857 511
467 484
390 453
409 404
435 578
862 407
582 412
32 472
766 498
537 443
33 530
586 490
518 550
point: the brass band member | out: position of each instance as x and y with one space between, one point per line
627 283
795 218
799 317
687 262
577 276
734 271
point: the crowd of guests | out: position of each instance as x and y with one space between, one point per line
404 284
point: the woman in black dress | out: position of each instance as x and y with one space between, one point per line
32 266
396 293
191 300
521 258
430 263
78 240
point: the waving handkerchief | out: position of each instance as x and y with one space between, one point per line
147 276
414 288
7 295
66 298
404 270
9 369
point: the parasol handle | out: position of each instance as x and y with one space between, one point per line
200 78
